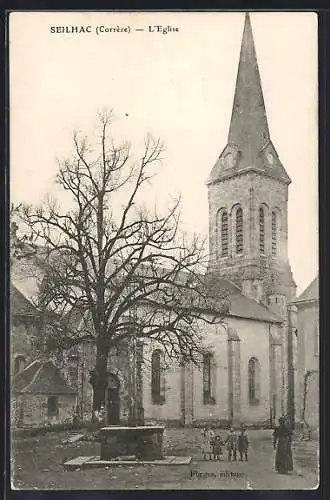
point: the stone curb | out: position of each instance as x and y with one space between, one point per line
92 462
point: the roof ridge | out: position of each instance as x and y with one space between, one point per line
313 283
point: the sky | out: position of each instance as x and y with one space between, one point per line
177 86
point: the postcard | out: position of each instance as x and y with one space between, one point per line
164 292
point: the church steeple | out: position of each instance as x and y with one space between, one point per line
248 127
249 144
248 194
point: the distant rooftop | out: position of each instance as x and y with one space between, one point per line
20 305
311 292
41 377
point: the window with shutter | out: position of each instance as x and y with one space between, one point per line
274 234
224 234
239 230
261 230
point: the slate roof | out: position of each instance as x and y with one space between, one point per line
20 305
241 305
41 377
225 298
311 292
249 144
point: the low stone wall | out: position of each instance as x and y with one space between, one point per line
216 424
25 432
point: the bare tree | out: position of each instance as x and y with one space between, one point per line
22 245
129 273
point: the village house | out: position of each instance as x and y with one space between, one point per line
40 395
308 358
39 392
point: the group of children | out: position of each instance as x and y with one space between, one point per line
235 442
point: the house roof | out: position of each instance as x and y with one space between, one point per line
20 305
311 292
41 377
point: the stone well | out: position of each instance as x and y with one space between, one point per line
143 442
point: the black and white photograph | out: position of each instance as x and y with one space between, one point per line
164 260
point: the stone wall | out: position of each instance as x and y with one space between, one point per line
216 340
118 365
251 190
254 343
31 409
308 360
312 401
170 409
184 402
229 380
22 341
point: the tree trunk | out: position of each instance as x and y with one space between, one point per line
99 379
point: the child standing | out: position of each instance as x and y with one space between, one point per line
207 443
217 447
243 444
231 442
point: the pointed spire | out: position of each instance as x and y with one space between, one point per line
248 128
249 144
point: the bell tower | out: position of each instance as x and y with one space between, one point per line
248 194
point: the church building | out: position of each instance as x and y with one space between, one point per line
247 373
248 370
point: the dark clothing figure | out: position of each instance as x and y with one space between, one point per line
243 445
282 439
231 442
217 448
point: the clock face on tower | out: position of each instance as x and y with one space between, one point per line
270 158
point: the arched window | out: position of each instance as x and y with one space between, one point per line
224 234
207 379
262 230
239 230
274 233
157 377
254 381
19 364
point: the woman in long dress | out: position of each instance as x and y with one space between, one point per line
282 438
207 443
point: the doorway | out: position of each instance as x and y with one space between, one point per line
113 401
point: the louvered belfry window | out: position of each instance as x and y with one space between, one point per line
239 230
274 233
261 230
224 234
